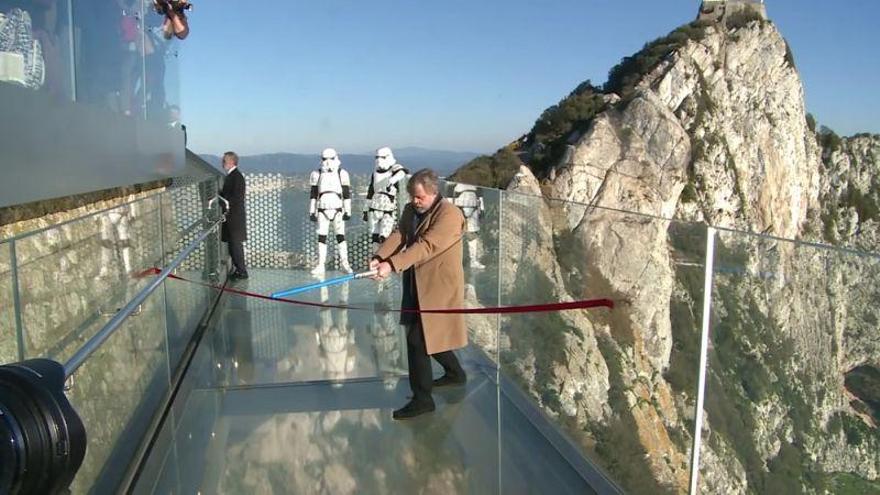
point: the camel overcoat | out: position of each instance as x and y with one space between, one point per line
435 253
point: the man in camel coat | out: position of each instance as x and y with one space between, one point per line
426 248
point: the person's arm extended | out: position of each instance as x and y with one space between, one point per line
443 232
175 24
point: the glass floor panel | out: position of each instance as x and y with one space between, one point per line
282 398
257 341
326 438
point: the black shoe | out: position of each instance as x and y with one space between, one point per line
413 409
448 381
238 276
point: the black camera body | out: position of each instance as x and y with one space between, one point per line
162 6
42 439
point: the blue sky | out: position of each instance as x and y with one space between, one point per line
467 75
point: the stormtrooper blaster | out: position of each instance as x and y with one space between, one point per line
325 283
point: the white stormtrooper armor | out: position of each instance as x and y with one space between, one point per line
116 238
335 339
330 204
467 198
381 210
388 345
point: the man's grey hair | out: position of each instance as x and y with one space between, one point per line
428 180
232 156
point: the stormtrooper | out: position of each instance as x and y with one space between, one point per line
388 345
467 198
381 208
330 205
335 339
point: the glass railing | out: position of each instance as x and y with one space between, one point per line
72 278
620 383
791 383
790 394
110 55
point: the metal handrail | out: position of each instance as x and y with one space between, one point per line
31 233
221 198
193 226
99 338
149 195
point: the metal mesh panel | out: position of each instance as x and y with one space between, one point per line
267 226
280 234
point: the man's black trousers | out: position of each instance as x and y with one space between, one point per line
236 252
420 379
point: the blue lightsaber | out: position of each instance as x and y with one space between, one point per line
325 283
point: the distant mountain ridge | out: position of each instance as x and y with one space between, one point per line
414 158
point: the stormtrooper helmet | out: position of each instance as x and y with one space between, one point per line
329 160
384 159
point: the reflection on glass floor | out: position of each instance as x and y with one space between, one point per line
259 342
282 398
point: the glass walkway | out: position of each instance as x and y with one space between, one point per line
283 399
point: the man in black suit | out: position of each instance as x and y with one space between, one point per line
234 230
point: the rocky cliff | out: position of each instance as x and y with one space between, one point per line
704 126
849 190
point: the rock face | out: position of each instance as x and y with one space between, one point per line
576 382
723 115
57 273
851 196
716 133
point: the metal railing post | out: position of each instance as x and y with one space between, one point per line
704 350
16 302
71 52
165 308
498 340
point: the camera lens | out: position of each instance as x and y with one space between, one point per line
42 440
10 451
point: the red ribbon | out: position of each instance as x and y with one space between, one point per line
527 308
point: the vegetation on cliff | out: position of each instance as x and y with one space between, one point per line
545 144
489 171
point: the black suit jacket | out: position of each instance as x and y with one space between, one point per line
234 228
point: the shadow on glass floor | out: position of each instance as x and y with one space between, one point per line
283 398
